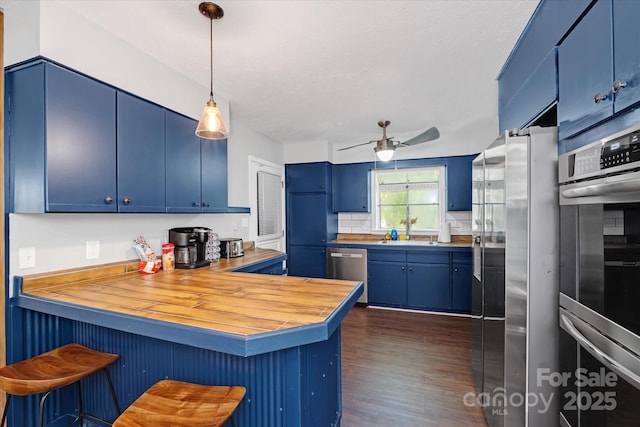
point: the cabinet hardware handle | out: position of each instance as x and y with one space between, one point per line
402 268
196 204
108 199
206 204
127 200
410 268
617 85
455 270
598 97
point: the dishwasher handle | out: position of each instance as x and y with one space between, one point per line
344 255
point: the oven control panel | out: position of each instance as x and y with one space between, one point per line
620 151
612 155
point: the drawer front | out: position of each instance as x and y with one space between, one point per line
461 258
431 257
390 256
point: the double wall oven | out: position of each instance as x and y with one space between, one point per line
599 378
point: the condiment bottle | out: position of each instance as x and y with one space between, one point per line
168 258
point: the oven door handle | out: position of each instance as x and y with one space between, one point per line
596 352
621 186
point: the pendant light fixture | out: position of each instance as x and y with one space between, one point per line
211 124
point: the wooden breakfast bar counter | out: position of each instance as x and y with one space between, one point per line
278 336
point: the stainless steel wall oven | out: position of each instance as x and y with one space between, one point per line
600 283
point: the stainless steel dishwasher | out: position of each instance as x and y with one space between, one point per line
348 264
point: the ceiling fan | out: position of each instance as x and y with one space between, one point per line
385 147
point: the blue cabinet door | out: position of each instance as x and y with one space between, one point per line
387 283
459 183
214 175
585 71
25 139
183 169
351 187
428 286
81 143
141 155
307 261
307 218
308 177
626 14
461 287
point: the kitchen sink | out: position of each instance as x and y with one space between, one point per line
407 243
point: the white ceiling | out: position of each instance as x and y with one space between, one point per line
329 70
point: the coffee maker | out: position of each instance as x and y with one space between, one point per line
190 246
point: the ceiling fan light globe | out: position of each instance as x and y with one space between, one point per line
385 154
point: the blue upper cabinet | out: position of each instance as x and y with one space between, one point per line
196 168
527 83
626 14
62 141
538 92
459 183
308 177
141 155
183 164
81 143
213 160
585 72
76 144
351 187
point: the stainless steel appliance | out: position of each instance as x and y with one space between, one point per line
190 246
600 282
348 264
231 247
515 280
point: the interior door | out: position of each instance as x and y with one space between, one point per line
267 202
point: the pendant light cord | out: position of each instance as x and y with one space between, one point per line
211 54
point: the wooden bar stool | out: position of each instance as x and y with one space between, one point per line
170 403
52 370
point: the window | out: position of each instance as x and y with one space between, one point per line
409 196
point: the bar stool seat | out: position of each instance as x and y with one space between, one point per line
52 370
170 403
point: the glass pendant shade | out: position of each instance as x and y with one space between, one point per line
211 125
385 153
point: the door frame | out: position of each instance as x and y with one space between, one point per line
254 164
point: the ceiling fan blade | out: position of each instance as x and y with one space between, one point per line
353 146
427 135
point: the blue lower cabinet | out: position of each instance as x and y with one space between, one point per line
428 286
435 280
461 287
307 261
387 283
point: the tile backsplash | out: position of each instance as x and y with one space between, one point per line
613 222
360 223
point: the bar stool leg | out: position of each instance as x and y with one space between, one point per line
41 422
4 412
113 391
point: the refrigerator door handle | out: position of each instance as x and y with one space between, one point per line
598 353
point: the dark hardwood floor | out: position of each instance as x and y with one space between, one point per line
406 369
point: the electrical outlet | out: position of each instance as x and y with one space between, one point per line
93 249
26 257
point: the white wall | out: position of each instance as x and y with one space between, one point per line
51 30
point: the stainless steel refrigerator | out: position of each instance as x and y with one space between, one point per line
515 281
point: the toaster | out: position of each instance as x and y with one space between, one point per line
231 247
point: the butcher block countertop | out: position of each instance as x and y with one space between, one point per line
210 307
